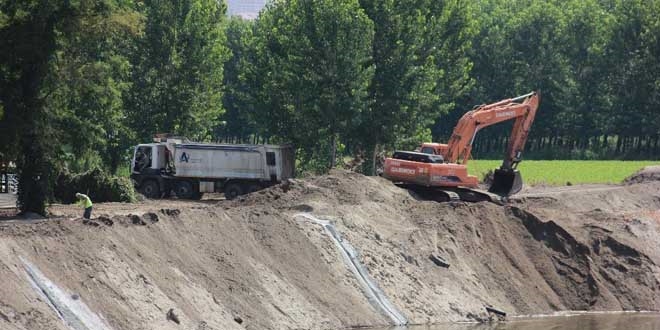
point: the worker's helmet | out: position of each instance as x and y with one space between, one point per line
78 195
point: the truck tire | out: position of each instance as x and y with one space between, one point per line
150 189
184 189
233 190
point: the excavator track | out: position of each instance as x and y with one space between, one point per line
447 194
478 195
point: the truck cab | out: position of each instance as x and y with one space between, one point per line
150 161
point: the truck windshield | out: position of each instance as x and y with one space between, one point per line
428 150
142 158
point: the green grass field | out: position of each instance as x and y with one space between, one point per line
559 172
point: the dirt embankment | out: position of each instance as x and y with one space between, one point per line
648 173
250 264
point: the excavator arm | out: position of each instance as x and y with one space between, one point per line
506 179
460 143
520 132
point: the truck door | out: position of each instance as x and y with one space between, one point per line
142 158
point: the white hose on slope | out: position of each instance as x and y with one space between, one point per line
374 294
75 313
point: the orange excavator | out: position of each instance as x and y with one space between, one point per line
439 171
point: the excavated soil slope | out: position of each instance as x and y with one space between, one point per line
251 264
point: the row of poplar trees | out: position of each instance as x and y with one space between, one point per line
81 81
366 76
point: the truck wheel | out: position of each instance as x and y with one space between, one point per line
184 190
150 189
233 190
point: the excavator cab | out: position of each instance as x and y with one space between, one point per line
506 182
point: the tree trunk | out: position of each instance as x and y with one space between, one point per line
333 150
624 143
114 161
374 158
34 162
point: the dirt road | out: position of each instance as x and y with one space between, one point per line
251 264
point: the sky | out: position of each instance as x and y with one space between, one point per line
245 8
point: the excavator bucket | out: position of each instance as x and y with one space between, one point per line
506 182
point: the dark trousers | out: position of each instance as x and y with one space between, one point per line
88 213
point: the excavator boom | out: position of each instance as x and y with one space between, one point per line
460 142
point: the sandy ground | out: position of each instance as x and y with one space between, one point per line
249 264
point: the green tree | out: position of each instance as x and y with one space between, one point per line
589 30
238 103
420 54
178 69
632 64
32 35
521 46
88 82
314 68
594 62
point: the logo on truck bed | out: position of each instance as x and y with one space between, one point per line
185 158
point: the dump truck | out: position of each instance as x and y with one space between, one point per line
189 169
440 170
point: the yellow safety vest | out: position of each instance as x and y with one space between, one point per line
85 201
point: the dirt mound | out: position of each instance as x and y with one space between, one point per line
251 263
648 173
593 270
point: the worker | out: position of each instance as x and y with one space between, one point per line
84 201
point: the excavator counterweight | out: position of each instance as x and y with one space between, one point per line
447 171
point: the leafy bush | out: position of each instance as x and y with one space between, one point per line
97 184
